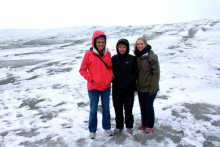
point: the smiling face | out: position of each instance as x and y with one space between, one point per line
100 44
140 44
122 49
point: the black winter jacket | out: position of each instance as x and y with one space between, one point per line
124 69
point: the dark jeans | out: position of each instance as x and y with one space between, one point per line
126 100
94 99
146 102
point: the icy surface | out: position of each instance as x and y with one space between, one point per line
44 100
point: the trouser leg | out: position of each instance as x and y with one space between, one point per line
142 107
106 117
118 106
149 105
128 106
94 99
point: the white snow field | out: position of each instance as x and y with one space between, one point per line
44 100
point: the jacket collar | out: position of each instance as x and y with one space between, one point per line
96 52
146 55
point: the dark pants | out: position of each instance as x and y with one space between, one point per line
146 102
126 100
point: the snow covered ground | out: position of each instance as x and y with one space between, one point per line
44 100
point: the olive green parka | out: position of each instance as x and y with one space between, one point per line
148 73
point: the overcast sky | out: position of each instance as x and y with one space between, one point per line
31 14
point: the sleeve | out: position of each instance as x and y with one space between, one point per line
110 67
84 68
155 70
134 70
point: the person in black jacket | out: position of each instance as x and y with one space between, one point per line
124 85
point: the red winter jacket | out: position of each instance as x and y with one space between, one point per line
98 76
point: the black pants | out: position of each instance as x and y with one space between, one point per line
146 102
126 100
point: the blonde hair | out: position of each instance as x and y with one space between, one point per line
102 51
135 45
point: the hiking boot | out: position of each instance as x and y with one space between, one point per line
92 135
130 130
141 127
148 130
117 131
109 132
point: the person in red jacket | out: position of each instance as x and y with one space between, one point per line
96 68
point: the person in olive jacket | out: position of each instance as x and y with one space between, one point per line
123 87
147 83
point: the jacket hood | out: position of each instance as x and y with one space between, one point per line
124 41
95 35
